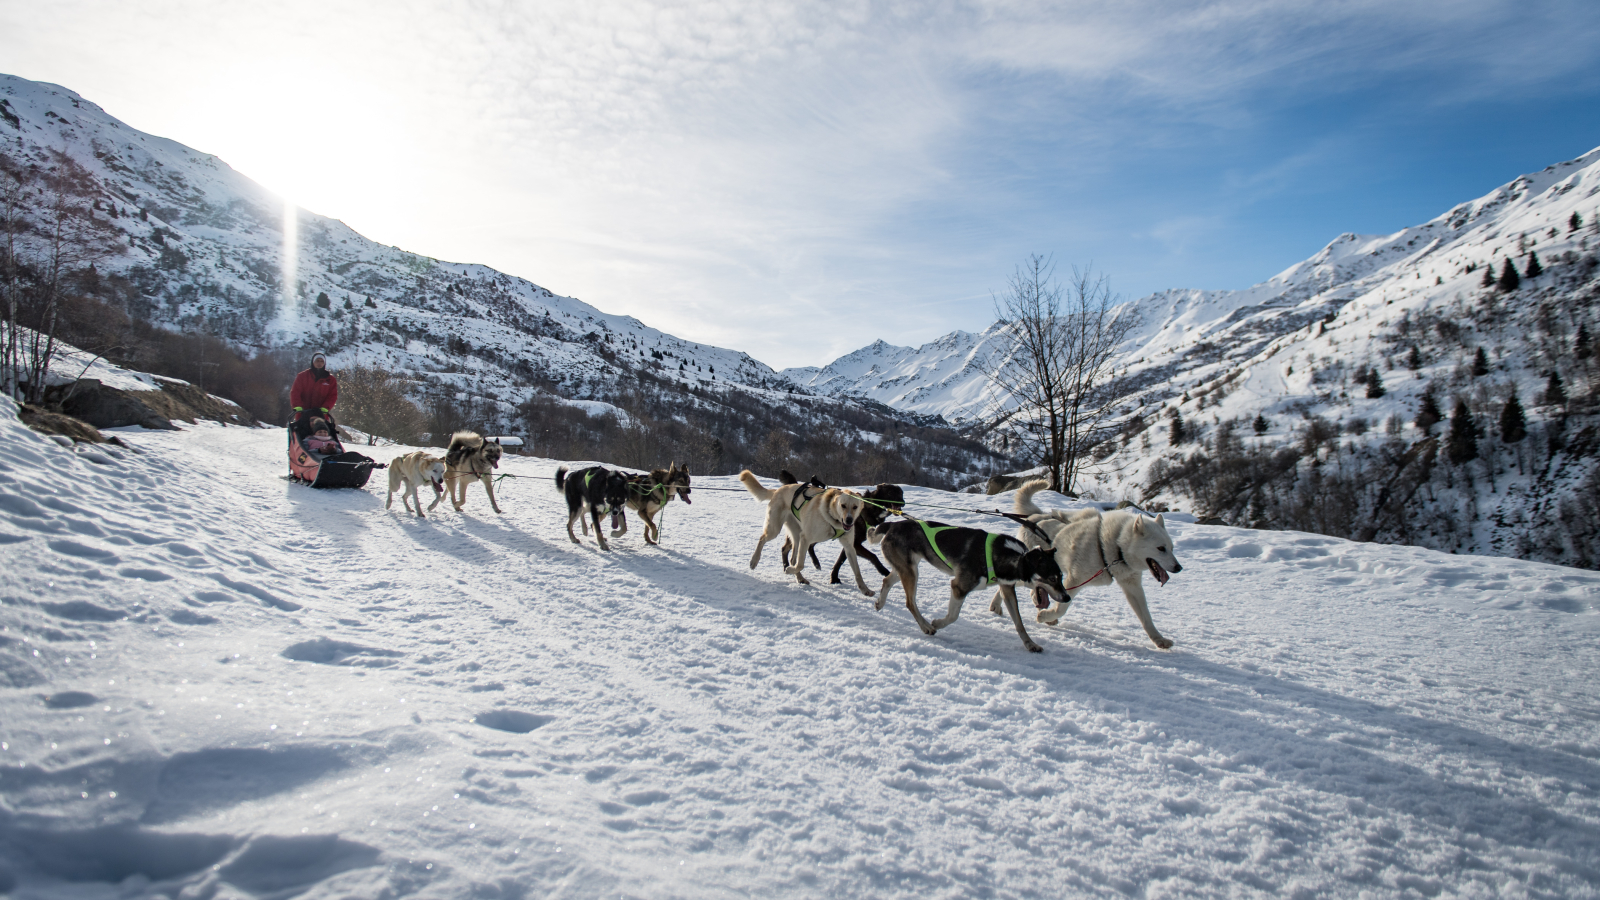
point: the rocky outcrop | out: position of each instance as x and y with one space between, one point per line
109 407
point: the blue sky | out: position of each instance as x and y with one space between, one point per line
799 179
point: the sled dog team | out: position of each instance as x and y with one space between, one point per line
1053 556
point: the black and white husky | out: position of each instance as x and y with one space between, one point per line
973 557
598 490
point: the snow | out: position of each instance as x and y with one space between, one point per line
69 364
221 684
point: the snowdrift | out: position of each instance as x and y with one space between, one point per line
220 683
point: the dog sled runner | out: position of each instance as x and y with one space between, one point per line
346 469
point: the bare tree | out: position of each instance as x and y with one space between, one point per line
375 400
1055 376
49 236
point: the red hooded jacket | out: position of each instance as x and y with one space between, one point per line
311 394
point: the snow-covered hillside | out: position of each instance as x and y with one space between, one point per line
1181 330
1298 350
215 683
204 249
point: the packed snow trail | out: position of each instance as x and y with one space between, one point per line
224 684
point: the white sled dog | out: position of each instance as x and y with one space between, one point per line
1096 549
810 515
411 472
470 458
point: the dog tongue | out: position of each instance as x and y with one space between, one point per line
616 521
1160 573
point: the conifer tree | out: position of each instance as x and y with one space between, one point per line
1414 359
1428 414
1580 346
1555 392
1534 269
1509 280
1260 424
1480 364
1462 444
1488 277
1179 433
1375 388
1574 223
1513 421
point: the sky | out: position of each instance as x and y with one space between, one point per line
797 180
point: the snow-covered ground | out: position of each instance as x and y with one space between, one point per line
221 684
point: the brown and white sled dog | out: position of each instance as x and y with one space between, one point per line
973 558
649 494
1095 548
411 472
469 459
809 516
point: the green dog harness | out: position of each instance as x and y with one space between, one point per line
988 547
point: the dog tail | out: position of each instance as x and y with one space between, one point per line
561 478
1023 503
876 535
752 485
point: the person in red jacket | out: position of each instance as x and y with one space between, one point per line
314 393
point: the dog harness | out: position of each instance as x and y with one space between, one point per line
988 547
804 499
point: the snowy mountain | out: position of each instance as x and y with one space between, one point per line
201 249
1298 350
227 685
207 249
1179 329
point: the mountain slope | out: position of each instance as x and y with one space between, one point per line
201 249
1298 350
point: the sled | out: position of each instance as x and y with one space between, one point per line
346 469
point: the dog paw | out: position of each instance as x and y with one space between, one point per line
1033 648
1163 643
929 630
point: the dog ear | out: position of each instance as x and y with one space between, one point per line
1138 525
1160 521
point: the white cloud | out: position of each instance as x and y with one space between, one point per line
789 178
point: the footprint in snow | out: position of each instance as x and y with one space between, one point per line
69 700
511 720
338 653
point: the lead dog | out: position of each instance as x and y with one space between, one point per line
1096 549
809 516
598 490
412 471
649 494
470 458
973 558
